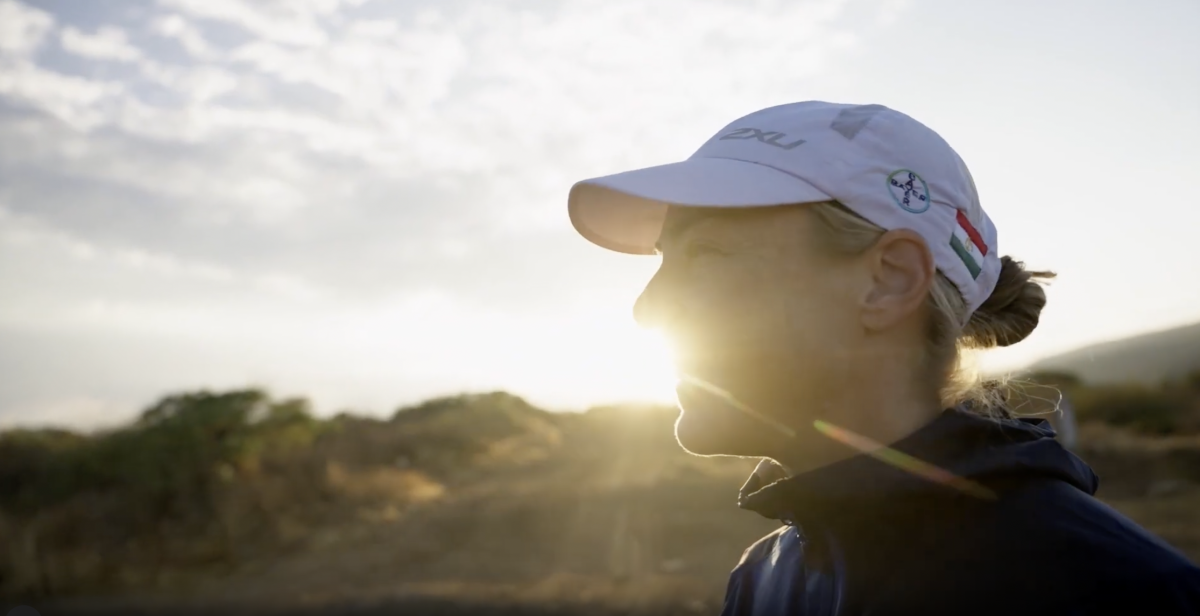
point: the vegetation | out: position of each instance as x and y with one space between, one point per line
1170 408
209 481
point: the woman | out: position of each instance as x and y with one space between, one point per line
822 265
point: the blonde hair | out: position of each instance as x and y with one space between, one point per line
1008 315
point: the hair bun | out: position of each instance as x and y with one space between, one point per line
1011 312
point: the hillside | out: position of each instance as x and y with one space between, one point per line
1148 358
237 503
235 498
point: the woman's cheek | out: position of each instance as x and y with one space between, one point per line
740 318
737 304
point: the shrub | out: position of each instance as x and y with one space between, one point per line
1152 411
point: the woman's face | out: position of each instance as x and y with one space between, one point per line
753 307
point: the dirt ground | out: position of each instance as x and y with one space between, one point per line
623 525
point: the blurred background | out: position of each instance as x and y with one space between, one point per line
292 316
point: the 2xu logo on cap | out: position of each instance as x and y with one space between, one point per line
848 123
769 137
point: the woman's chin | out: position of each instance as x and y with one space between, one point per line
711 433
696 439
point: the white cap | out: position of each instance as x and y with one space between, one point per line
883 165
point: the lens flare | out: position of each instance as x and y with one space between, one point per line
876 450
903 461
737 404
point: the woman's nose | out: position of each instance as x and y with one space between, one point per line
658 306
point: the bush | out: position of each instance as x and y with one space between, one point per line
1143 409
1172 407
170 458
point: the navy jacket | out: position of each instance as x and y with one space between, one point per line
865 538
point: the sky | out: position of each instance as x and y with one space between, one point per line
364 202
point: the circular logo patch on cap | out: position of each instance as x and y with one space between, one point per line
909 190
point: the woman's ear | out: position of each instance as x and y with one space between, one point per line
902 273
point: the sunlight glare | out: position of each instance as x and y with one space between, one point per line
624 361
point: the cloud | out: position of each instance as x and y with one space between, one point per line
174 26
75 101
393 149
22 28
406 132
71 99
292 22
303 177
107 43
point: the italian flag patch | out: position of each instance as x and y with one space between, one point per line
968 244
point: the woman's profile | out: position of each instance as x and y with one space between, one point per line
823 265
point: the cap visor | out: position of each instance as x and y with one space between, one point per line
625 211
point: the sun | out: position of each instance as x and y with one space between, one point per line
601 361
593 355
629 362
654 364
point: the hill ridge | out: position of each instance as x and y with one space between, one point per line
1151 357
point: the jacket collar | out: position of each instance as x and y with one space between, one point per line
965 445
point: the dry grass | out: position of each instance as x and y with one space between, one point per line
606 515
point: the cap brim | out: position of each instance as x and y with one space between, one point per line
625 211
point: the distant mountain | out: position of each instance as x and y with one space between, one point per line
1147 358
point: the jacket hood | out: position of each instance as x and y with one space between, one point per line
979 449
